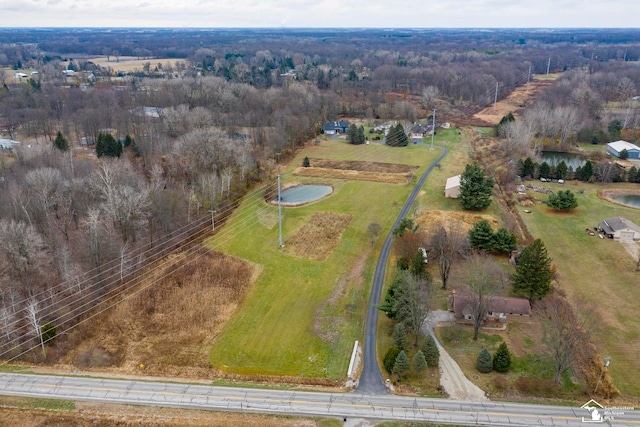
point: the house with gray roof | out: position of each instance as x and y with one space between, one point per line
498 307
335 127
619 228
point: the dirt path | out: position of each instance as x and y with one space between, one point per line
631 247
452 378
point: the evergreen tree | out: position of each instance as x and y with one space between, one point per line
481 236
529 168
502 358
401 365
108 146
305 162
584 173
533 273
475 188
417 266
61 142
361 138
396 137
484 362
624 154
431 352
563 201
352 134
545 170
504 242
561 170
127 141
390 359
419 362
633 175
400 336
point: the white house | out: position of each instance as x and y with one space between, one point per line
620 228
452 187
616 148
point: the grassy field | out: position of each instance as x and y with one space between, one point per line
302 316
597 270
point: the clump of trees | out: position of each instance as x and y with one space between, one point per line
355 135
482 238
396 136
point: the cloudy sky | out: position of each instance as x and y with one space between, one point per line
320 13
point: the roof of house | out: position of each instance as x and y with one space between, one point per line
611 225
452 181
623 145
8 143
421 128
340 124
507 305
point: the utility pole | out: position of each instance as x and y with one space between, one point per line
213 220
529 76
607 361
279 215
548 66
433 128
495 99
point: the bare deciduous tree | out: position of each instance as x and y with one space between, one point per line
35 321
447 245
413 300
481 282
564 332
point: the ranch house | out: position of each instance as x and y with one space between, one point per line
619 228
616 148
498 308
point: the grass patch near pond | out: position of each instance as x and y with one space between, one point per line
598 271
282 326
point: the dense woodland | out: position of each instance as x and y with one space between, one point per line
198 134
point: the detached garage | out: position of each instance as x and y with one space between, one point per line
620 228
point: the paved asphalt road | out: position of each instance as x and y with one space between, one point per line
371 378
349 405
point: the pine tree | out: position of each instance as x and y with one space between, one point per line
127 140
561 170
504 242
400 336
419 362
532 277
352 134
502 358
545 170
401 365
431 352
108 146
563 201
361 138
61 142
475 188
305 162
529 168
484 363
481 236
390 359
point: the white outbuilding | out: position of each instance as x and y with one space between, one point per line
452 187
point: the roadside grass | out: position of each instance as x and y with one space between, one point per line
598 272
276 329
38 403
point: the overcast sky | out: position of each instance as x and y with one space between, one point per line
320 13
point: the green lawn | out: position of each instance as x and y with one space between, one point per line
273 330
599 271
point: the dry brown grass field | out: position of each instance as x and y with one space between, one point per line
166 329
132 63
390 173
317 237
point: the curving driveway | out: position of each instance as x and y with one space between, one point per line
371 377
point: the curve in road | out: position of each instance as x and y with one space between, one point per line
371 377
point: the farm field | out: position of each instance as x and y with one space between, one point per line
132 63
302 316
599 271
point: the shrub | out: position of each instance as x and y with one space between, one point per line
48 331
400 336
390 358
502 358
484 363
306 163
431 352
537 386
95 358
401 364
419 362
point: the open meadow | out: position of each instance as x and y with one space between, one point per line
302 316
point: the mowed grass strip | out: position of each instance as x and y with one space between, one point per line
273 330
598 271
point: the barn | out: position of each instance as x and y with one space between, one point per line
616 148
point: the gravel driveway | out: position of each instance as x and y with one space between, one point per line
452 378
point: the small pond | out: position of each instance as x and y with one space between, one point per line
572 160
627 199
305 193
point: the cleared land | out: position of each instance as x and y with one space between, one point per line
392 173
132 63
275 331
